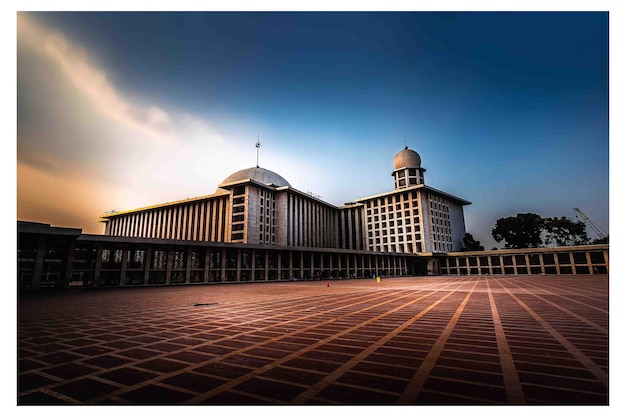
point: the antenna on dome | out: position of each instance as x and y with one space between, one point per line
405 147
258 145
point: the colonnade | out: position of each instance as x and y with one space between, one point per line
591 259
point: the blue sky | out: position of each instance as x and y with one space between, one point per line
509 110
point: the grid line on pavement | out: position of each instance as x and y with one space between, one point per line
354 342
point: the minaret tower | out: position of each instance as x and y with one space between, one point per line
407 169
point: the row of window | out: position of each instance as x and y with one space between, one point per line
267 217
238 218
391 199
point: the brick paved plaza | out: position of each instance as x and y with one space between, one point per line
427 340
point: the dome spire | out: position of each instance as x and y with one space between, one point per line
258 145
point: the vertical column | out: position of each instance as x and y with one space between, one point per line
514 264
528 267
124 266
146 273
38 267
589 264
207 260
223 266
572 262
184 222
194 221
253 265
267 265
98 267
168 266
188 265
330 264
238 273
69 264
339 266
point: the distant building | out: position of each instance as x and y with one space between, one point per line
257 228
259 207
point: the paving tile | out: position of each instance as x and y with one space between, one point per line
162 365
107 361
49 348
298 376
59 357
234 398
128 376
446 347
28 381
194 382
191 356
317 365
223 370
164 347
85 389
247 360
550 395
269 389
138 353
468 388
372 381
70 370
39 398
92 350
351 395
24 365
121 344
154 394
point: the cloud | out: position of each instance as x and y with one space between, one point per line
91 81
84 147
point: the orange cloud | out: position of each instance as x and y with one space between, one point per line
90 80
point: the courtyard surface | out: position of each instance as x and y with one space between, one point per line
423 340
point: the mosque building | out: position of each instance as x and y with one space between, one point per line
256 227
257 206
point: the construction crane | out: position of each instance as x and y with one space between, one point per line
601 234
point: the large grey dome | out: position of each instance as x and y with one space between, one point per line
407 158
262 175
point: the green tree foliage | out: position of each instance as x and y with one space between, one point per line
565 232
471 244
522 231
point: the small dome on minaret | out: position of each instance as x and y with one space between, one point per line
407 158
407 169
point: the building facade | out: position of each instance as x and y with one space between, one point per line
257 206
56 257
257 228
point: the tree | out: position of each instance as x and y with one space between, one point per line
565 232
471 244
601 241
522 231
